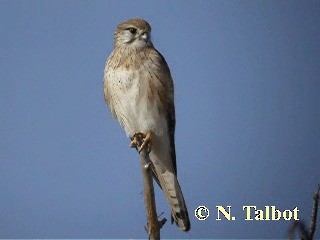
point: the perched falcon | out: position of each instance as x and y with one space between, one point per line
138 89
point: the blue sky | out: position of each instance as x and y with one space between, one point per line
247 106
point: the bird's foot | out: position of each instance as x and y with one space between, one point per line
137 137
140 141
146 142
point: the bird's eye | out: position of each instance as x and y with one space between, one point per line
133 30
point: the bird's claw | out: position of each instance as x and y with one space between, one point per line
141 139
137 137
146 143
134 142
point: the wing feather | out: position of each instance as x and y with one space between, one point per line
170 111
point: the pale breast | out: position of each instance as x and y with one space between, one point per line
134 97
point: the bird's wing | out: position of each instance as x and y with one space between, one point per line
170 111
164 165
171 119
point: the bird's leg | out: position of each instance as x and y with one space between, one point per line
146 142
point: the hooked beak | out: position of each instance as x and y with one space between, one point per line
144 36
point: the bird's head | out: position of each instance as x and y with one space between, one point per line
133 33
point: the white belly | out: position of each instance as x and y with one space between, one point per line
133 108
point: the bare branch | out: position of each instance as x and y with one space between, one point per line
149 200
300 227
313 222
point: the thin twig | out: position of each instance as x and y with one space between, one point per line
149 199
300 227
313 222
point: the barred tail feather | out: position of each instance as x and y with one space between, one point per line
174 196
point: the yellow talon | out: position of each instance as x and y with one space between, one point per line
140 141
146 142
136 139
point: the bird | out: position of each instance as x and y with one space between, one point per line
139 91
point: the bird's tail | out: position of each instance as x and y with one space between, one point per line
174 196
